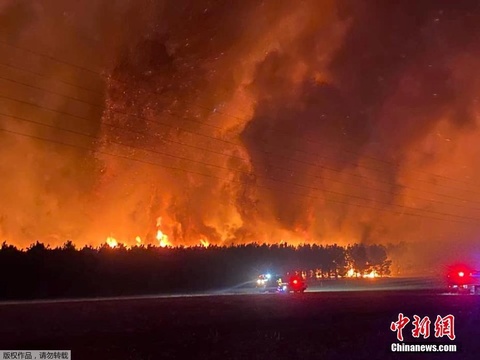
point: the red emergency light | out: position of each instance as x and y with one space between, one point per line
459 274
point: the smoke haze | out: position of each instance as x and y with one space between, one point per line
319 122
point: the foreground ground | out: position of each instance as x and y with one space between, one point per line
317 325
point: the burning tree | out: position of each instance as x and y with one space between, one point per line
66 271
367 261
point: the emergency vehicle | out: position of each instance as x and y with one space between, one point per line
276 284
463 279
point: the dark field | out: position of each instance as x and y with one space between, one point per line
314 325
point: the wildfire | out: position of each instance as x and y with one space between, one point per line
371 275
367 275
204 243
138 240
161 237
112 242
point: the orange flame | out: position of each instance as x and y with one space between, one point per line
162 239
112 242
371 275
350 273
367 275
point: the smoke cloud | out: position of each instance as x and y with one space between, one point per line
240 121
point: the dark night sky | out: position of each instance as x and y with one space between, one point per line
322 121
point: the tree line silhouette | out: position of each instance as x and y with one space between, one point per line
43 272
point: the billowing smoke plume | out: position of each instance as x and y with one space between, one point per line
240 121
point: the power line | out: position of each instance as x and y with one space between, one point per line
121 144
127 130
389 192
102 107
51 58
52 78
219 153
389 163
246 120
289 135
276 180
122 113
224 179
369 179
51 91
235 144
232 156
103 152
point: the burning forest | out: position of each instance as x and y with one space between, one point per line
222 123
114 269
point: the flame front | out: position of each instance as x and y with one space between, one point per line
284 129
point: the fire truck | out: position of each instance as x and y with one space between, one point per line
463 279
268 283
